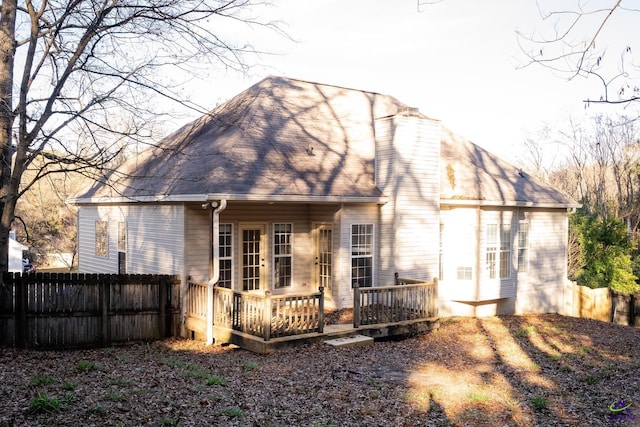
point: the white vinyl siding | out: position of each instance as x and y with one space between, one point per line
407 170
155 236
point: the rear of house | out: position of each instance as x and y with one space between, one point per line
293 185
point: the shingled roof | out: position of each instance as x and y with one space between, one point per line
287 139
471 174
281 138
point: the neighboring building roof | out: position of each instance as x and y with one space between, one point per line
281 138
470 174
287 139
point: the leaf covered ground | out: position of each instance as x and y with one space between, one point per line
539 370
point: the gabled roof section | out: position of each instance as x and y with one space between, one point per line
281 138
471 175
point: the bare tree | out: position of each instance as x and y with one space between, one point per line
571 44
71 69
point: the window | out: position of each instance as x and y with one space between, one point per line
464 273
225 258
282 255
362 255
523 246
122 247
498 251
102 239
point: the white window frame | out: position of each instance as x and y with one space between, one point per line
122 247
523 246
225 253
102 238
362 251
498 251
282 251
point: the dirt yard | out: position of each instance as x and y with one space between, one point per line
509 371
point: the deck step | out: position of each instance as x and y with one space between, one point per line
352 341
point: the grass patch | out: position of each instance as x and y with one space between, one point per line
40 380
86 366
539 403
170 422
116 397
70 385
42 403
250 365
524 331
233 412
478 397
216 380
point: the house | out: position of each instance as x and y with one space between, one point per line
16 254
292 185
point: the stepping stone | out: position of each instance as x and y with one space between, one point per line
354 341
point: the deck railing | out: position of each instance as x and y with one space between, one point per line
268 316
409 300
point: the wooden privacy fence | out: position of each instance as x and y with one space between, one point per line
602 304
50 310
409 300
268 316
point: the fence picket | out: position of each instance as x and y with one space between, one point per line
56 310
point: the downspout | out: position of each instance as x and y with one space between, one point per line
478 252
215 273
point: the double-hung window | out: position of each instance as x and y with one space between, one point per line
225 255
362 255
523 246
122 247
498 251
102 239
282 254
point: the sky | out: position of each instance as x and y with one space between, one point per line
456 60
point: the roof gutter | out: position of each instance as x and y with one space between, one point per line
276 198
218 206
519 204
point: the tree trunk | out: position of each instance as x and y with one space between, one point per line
7 194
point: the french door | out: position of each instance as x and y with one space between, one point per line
323 256
253 245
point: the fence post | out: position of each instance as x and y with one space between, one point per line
103 290
21 302
162 296
266 316
356 305
321 309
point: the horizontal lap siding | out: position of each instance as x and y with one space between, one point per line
155 236
88 262
541 290
197 243
407 166
156 239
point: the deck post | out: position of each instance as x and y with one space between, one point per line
266 316
356 305
434 297
321 310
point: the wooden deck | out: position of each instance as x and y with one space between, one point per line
264 323
258 345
